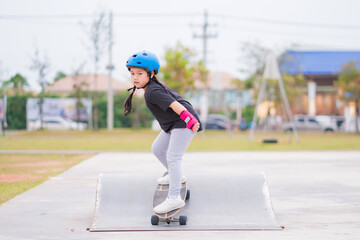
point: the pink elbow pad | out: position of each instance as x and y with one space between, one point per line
189 119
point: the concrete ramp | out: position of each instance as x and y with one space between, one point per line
217 202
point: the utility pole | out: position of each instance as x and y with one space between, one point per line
205 36
110 67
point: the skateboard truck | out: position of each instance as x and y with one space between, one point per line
181 220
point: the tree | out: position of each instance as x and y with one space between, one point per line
17 83
59 75
241 85
41 67
97 33
349 85
253 57
201 73
78 92
179 73
294 87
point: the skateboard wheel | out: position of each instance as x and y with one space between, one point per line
182 220
188 194
154 220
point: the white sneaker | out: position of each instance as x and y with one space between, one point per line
169 205
166 179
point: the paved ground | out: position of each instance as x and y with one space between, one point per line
315 195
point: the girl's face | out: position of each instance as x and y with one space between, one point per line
139 77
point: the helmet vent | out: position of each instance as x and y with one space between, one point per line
134 55
138 62
145 54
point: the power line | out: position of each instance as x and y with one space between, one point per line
182 14
118 15
177 15
281 22
60 16
287 33
137 15
61 19
122 24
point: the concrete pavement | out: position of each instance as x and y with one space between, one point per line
315 195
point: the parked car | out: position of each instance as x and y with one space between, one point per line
307 123
327 121
215 121
57 123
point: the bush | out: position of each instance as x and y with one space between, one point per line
248 113
16 112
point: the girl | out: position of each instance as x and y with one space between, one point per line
177 118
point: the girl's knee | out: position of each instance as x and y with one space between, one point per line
173 158
157 151
154 150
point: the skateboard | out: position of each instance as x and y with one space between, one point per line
160 195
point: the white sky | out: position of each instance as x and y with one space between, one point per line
326 24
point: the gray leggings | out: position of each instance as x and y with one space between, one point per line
169 149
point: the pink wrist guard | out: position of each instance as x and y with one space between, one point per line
189 119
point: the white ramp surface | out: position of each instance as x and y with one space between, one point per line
217 202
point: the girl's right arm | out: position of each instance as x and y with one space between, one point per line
191 121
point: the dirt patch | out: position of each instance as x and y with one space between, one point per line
56 170
34 164
16 178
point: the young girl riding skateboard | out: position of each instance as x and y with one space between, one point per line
176 116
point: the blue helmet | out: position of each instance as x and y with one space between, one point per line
146 60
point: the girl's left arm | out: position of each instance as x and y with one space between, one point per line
184 113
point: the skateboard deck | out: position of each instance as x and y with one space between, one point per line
160 196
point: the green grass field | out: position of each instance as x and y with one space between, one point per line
141 140
20 172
